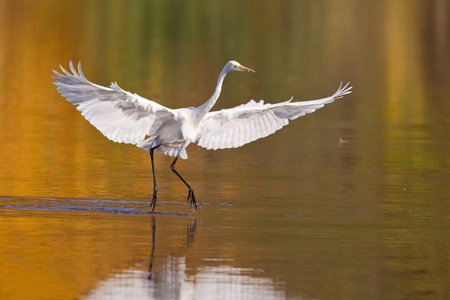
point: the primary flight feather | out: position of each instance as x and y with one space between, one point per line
129 118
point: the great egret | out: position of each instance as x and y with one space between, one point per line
129 118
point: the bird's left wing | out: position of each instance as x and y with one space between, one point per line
234 127
120 115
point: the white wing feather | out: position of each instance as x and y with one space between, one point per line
234 127
121 116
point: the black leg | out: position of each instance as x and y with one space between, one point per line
190 197
155 187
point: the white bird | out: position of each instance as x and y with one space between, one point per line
129 118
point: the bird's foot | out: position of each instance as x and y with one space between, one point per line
153 203
191 199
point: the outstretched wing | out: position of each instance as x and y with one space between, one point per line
121 116
234 127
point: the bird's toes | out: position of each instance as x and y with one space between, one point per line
153 203
191 199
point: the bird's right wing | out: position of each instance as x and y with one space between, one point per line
234 127
121 116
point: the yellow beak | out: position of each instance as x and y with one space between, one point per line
246 69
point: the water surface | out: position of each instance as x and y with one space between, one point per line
351 202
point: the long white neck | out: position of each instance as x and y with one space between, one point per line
206 107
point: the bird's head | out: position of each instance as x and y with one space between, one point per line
235 66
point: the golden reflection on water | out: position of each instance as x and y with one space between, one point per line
312 217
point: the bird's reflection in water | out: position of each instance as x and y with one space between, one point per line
152 255
173 276
191 228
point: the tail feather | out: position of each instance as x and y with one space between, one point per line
166 150
147 144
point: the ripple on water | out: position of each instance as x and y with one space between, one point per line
94 205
